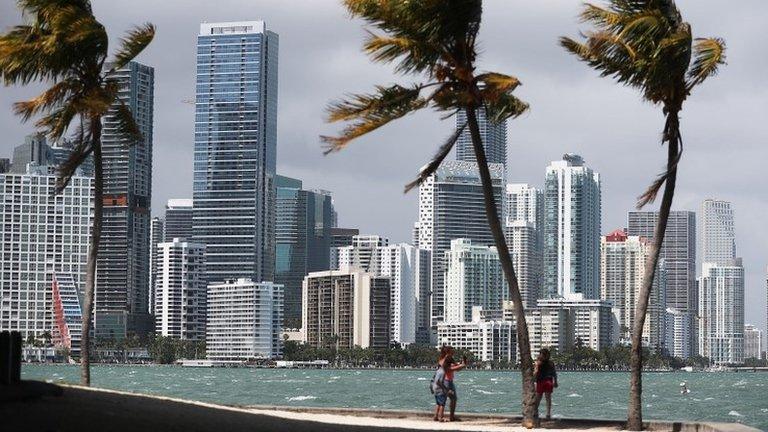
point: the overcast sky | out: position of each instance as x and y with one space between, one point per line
725 122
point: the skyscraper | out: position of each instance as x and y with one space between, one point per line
122 284
721 312
622 271
494 137
523 221
302 239
571 230
235 149
451 206
178 219
180 290
156 236
718 237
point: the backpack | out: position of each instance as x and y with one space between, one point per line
433 381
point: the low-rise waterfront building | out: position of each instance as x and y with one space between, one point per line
721 312
591 321
679 327
245 319
753 342
488 340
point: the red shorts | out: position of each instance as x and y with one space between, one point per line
545 386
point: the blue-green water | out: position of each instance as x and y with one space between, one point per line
727 397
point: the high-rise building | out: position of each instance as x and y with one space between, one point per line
622 272
753 342
178 219
304 220
451 206
487 340
235 149
346 308
493 136
341 237
591 321
571 230
36 149
180 290
245 319
679 329
68 316
473 277
362 254
43 234
156 236
523 221
122 285
721 312
718 237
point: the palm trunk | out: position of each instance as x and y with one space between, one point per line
523 344
93 253
635 408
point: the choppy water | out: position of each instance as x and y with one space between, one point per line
728 397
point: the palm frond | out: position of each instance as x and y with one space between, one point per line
81 150
56 95
443 152
495 82
708 56
56 123
504 107
415 56
133 44
126 126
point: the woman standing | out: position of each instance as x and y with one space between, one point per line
546 380
446 362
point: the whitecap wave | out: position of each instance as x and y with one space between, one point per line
574 395
735 413
486 392
300 398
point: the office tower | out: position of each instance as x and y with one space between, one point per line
408 270
622 271
235 149
590 321
42 234
178 219
451 206
473 278
718 237
679 329
67 331
245 319
678 250
488 340
122 285
303 226
180 290
721 312
493 136
346 308
341 237
571 230
36 149
753 342
156 236
523 232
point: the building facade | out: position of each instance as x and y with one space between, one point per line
156 236
473 278
346 308
718 234
487 340
67 331
245 320
721 312
571 230
753 342
122 286
235 149
43 234
493 136
590 321
679 329
451 206
180 290
178 219
523 221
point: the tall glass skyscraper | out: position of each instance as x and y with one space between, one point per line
122 283
718 235
494 137
235 149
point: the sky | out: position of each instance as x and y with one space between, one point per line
572 111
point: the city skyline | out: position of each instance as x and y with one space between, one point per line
390 214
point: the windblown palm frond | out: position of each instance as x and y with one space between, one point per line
708 56
443 152
133 44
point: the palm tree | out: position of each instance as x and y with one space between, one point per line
645 44
437 40
63 44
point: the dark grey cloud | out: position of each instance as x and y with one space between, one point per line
573 110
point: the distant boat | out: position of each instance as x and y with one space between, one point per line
197 363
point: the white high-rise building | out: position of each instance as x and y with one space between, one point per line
571 230
679 329
180 290
523 231
721 312
408 270
42 234
451 206
753 342
245 319
718 237
622 271
591 321
473 278
488 340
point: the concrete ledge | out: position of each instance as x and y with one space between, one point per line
80 408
